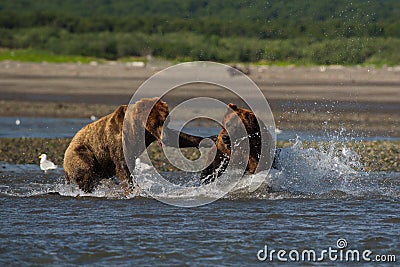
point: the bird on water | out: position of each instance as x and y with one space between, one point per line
45 164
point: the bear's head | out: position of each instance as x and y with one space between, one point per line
154 122
232 119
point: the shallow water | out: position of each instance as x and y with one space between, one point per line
17 127
61 128
318 197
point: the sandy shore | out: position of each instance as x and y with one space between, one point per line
365 100
360 84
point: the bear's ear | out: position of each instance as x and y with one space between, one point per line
232 106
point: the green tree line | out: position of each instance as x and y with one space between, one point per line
320 32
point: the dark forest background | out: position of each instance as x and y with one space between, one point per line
299 32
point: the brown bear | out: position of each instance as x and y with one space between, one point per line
222 150
96 151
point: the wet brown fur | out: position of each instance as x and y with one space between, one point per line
223 143
96 151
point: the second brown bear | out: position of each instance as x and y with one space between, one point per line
222 150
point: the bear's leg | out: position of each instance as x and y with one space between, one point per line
79 169
252 165
123 174
216 167
178 139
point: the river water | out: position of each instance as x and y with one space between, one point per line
319 200
36 127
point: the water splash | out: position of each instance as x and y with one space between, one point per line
326 171
315 170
